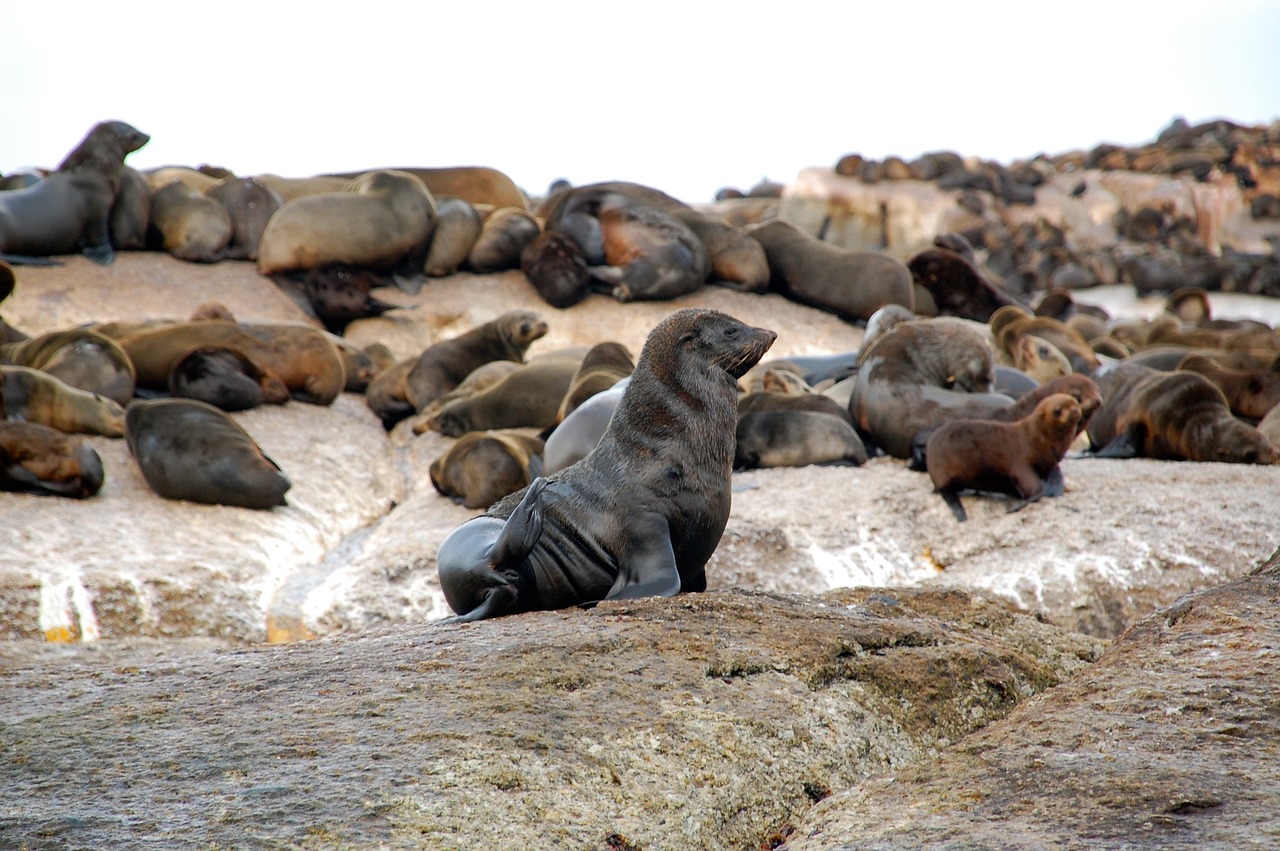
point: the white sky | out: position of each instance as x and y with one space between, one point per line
685 96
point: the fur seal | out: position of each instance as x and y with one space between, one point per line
851 284
956 285
919 374
482 467
81 357
35 396
1015 458
458 226
250 204
1039 358
796 438
527 398
640 515
1171 416
441 366
336 294
477 184
130 216
189 224
38 459
604 365
505 233
737 260
649 254
580 432
555 267
382 221
191 450
479 379
1249 393
301 356
225 378
69 210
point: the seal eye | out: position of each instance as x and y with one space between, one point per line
731 331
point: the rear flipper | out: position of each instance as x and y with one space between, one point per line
1127 444
951 497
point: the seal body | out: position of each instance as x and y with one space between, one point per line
250 204
796 438
42 460
226 378
482 467
527 398
189 224
505 233
1015 458
639 516
131 212
190 450
648 253
81 357
442 366
35 396
458 226
555 267
69 210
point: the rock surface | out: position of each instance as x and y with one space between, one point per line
356 546
705 721
1172 739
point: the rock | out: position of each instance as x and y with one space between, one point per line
1170 740
697 722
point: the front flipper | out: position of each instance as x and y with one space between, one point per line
1125 445
521 531
1054 483
648 567
951 496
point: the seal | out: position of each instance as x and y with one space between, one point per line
189 224
477 184
555 267
479 379
250 204
642 514
1171 416
190 450
604 365
336 294
1016 458
505 233
917 375
458 226
1250 393
35 396
851 284
38 459
226 378
361 364
796 438
737 260
130 215
956 285
527 398
441 366
580 432
382 221
69 210
1039 358
301 356
649 254
81 357
482 467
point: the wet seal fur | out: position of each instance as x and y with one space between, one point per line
482 467
1018 458
641 515
69 211
38 459
190 450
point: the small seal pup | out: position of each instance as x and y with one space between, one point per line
38 459
639 516
191 450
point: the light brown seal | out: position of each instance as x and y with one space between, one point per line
250 204
458 226
482 467
69 210
796 438
382 221
38 459
35 396
81 357
189 224
192 451
1250 393
642 514
505 233
441 366
527 398
604 365
477 184
851 284
1015 458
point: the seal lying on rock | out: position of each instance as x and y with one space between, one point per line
641 515
39 459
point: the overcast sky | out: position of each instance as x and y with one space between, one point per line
685 96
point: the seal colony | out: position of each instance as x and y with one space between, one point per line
639 516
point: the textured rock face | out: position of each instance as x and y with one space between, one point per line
1171 740
356 546
700 722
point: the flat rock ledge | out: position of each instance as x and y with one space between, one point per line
1171 740
705 721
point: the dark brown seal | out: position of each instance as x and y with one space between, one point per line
131 212
226 378
648 253
35 396
482 467
193 451
69 210
917 375
1172 416
250 204
38 459
956 285
641 515
796 438
555 267
851 284
737 260
1250 393
442 366
1015 458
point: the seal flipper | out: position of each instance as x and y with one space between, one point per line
521 531
952 498
1125 444
649 566
1054 483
